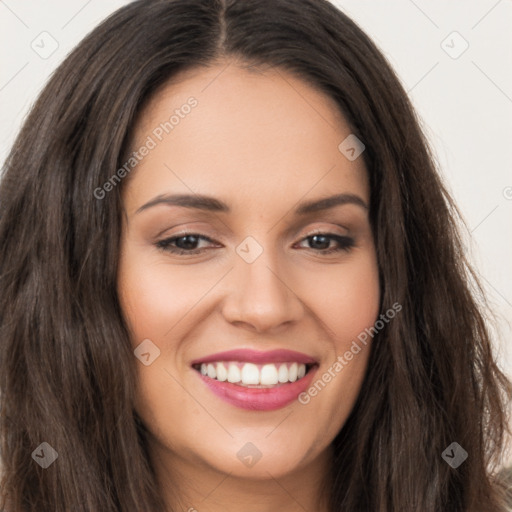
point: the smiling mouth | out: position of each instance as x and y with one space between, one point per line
250 375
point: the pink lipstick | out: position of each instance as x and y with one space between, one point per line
255 380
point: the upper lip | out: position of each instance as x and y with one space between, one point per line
257 356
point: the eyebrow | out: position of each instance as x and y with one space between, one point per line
208 203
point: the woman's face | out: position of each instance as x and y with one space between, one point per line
253 278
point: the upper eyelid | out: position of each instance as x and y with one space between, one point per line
349 223
287 233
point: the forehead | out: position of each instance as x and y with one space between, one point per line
250 135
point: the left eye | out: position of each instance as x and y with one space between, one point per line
322 241
187 243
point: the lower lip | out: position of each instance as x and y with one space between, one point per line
259 399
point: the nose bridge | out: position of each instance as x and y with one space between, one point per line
260 295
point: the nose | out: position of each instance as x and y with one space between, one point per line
260 297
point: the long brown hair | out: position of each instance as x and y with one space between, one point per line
67 369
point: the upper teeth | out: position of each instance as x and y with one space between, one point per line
253 374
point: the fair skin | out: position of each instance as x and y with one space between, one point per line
263 143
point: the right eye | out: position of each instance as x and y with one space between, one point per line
184 243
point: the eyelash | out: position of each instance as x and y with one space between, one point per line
345 243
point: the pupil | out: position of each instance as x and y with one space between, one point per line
190 242
319 242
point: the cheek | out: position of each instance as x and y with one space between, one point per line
346 298
348 305
155 298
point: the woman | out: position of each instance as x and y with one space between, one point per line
232 279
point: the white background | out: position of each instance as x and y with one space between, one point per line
465 102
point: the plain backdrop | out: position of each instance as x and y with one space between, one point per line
454 58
